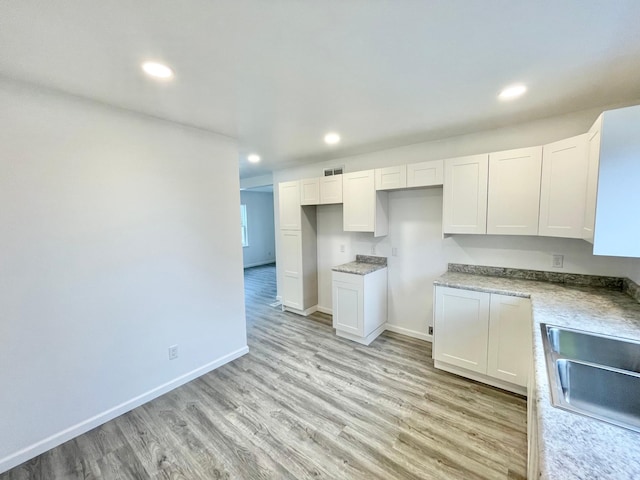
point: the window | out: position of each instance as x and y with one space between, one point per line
243 225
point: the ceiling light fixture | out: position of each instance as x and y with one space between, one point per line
157 70
512 91
253 158
332 138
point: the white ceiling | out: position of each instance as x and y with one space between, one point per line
278 74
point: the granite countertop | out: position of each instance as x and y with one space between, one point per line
572 446
363 265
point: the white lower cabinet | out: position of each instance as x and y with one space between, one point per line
461 328
360 305
509 339
483 336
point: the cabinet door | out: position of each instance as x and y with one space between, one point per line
331 189
348 305
390 178
465 194
564 186
310 191
593 151
291 263
510 345
461 328
514 192
425 174
359 198
289 203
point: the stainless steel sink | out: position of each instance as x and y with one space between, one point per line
594 375
590 347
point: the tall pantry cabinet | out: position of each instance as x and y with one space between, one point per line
298 250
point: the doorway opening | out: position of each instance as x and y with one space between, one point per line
258 243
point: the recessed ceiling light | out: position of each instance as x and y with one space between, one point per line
157 70
512 91
332 138
253 158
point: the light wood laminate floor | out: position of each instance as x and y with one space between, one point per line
306 404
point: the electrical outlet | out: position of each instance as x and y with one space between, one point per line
557 261
394 251
373 249
173 352
430 330
342 248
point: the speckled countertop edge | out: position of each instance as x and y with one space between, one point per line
363 265
571 446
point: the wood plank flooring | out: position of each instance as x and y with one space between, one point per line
306 404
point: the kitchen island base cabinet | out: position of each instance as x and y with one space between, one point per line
360 305
483 336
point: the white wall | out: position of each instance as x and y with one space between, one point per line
259 181
119 237
415 225
260 230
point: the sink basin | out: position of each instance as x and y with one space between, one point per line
594 375
590 347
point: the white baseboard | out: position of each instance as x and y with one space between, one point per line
73 431
258 264
304 313
478 377
363 340
409 333
328 311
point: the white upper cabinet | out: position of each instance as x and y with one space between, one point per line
310 191
390 178
563 189
365 210
593 150
514 191
617 226
425 174
330 189
289 203
465 194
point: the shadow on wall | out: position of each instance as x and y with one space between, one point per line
534 253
